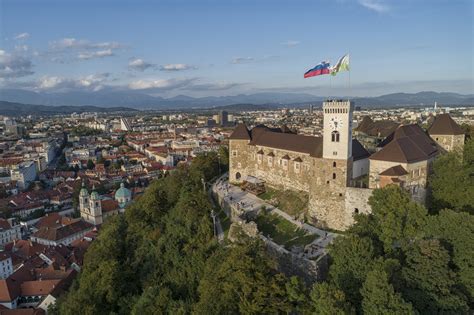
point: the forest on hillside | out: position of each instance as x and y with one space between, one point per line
161 256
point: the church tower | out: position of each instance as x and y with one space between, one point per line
337 129
95 208
83 199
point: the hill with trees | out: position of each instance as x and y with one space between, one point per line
161 256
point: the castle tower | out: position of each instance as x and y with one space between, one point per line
327 194
337 139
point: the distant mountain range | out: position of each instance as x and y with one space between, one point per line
17 109
140 100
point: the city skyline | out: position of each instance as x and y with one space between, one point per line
212 48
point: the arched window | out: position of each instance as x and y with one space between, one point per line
237 176
356 210
333 175
335 136
333 164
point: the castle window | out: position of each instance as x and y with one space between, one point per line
270 161
297 167
334 153
237 176
333 164
239 165
333 175
285 164
356 210
335 136
234 153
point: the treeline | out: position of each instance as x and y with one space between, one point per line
161 258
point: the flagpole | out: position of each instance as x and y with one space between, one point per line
330 86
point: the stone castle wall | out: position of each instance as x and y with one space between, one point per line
356 201
324 179
415 181
450 142
275 171
239 154
327 193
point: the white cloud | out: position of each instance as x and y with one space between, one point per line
243 60
291 43
176 67
139 64
160 84
48 82
95 54
240 60
14 65
22 48
73 43
375 5
219 86
92 82
69 49
22 36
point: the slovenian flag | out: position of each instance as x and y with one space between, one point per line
322 68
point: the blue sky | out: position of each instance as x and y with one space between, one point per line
202 48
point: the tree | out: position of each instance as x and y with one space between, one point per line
106 282
242 279
327 299
90 164
379 296
224 158
397 220
456 230
429 283
452 183
297 294
352 258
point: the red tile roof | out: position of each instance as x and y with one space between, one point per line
38 287
396 170
407 144
59 233
445 125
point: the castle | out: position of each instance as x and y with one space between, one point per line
332 168
95 209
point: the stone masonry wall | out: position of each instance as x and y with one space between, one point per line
450 142
327 193
356 202
416 179
282 173
239 156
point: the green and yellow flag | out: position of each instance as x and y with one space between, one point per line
341 65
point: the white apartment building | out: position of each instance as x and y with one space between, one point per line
6 266
24 173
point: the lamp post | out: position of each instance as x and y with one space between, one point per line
203 184
213 216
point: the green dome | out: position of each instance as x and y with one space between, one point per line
95 195
83 192
123 193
